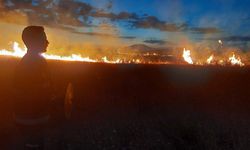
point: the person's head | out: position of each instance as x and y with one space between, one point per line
35 39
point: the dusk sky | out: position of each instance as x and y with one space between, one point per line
78 24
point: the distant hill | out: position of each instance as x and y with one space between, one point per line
140 47
136 48
155 54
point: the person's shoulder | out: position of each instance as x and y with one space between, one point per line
33 59
41 60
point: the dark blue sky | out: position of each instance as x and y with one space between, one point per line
231 17
191 11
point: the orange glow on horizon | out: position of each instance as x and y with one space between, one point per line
232 60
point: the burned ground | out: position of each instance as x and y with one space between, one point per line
130 106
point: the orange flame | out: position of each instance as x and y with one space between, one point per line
235 61
210 59
19 52
187 56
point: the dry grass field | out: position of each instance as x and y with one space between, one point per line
132 106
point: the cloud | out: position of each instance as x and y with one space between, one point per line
159 42
203 30
151 41
103 14
95 34
49 12
68 15
104 35
13 17
152 22
232 39
237 38
120 16
128 37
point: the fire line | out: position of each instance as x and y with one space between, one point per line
187 57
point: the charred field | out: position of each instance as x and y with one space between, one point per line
138 106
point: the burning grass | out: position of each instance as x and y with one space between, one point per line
144 58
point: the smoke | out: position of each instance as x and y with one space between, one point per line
13 17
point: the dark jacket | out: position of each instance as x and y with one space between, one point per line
32 88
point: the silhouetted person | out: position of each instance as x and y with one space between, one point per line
32 88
